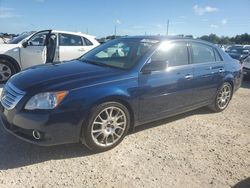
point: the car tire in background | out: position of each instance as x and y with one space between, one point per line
6 70
108 124
223 97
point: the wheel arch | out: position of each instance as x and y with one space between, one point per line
12 60
115 98
122 100
230 80
231 83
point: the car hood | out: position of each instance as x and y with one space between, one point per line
62 76
8 47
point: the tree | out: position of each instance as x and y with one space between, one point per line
211 38
238 39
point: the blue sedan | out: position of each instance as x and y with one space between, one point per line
115 87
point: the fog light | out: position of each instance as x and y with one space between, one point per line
36 135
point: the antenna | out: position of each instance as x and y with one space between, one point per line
167 26
115 30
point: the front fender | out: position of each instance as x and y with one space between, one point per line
10 50
123 91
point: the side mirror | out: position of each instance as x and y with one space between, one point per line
25 44
154 66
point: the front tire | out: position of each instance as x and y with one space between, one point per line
222 98
107 126
6 70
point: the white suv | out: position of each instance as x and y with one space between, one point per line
42 47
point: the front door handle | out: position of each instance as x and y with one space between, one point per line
221 70
189 76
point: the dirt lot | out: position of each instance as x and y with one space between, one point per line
196 149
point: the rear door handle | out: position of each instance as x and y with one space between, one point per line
81 49
189 76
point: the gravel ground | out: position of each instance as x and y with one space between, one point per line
195 149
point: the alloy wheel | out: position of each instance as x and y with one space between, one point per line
5 72
224 96
109 126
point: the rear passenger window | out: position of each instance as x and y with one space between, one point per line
217 55
70 40
202 53
87 42
175 54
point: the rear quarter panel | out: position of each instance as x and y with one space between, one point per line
233 70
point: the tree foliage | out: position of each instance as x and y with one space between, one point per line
238 39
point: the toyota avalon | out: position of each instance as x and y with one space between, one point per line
115 87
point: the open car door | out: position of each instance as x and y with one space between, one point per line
34 50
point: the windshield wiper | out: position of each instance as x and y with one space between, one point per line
93 62
98 63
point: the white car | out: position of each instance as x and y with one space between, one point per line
42 47
3 40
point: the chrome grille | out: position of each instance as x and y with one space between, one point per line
11 96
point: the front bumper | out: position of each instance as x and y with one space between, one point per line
56 127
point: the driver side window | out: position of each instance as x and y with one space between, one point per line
38 39
175 54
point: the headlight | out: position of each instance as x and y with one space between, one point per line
48 100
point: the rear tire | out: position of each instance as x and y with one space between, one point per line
106 127
223 97
7 70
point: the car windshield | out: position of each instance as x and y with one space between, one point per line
119 53
19 38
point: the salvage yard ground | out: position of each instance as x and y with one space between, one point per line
195 149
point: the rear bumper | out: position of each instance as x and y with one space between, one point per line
55 128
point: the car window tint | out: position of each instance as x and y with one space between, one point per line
19 38
217 55
87 42
70 40
38 39
202 53
175 54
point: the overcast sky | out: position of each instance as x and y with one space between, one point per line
131 17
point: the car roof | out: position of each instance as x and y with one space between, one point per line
73 33
164 38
